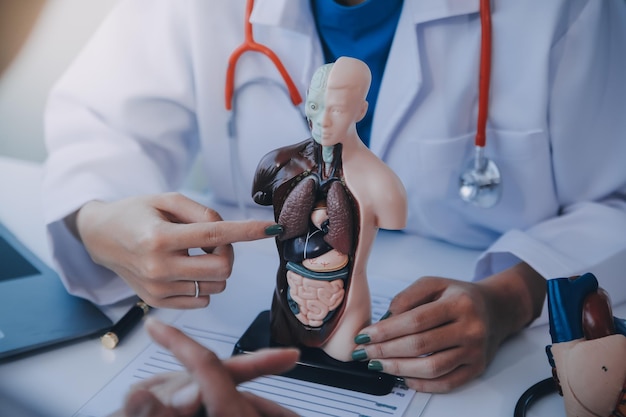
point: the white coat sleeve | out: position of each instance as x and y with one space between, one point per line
120 122
587 119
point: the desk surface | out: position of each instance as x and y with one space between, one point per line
61 380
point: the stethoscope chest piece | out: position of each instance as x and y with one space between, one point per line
480 182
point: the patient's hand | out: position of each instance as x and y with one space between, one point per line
209 382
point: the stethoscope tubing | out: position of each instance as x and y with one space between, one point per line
249 44
484 75
532 394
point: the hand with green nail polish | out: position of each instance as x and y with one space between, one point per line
440 333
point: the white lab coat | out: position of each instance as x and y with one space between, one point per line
147 95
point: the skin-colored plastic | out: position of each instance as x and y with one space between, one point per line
342 182
592 374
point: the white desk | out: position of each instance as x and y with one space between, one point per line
61 380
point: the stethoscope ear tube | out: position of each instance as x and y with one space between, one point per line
532 394
249 44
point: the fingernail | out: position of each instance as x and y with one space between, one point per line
186 396
150 321
274 230
153 325
359 355
375 366
361 339
386 315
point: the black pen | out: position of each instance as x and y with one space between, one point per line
114 336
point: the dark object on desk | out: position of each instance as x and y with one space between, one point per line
316 366
35 309
115 335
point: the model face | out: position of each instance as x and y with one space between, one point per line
332 114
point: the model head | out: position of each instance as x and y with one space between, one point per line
336 100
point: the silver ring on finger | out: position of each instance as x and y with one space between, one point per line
197 294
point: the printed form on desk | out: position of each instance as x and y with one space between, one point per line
219 326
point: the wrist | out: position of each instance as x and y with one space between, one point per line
78 220
515 298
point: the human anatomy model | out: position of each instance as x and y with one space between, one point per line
588 351
331 194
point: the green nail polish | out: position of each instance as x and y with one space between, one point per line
375 366
361 339
385 316
359 355
274 230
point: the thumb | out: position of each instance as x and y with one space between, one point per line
263 362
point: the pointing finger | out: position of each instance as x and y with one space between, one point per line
220 233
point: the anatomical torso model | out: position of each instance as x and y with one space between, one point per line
331 194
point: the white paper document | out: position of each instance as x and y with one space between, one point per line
219 326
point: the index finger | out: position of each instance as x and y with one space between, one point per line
220 233
414 310
424 290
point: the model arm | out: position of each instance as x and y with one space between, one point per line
391 201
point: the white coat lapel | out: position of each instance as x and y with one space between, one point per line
403 73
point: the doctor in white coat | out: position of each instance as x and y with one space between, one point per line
126 121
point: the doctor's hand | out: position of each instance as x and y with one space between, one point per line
146 239
441 333
210 385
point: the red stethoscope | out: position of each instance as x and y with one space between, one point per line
480 182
